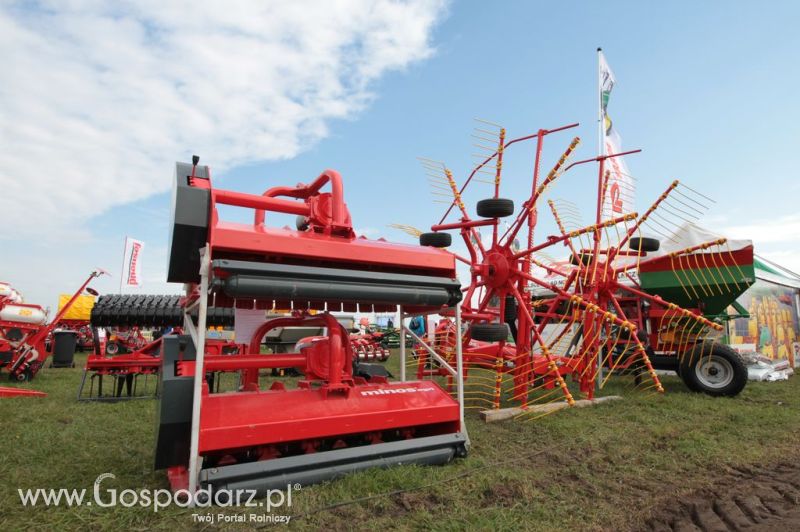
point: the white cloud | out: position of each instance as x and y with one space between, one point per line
99 99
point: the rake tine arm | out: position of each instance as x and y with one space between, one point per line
671 306
589 229
647 214
530 205
492 156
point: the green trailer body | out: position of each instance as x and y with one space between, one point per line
710 282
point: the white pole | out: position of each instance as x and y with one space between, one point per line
122 270
460 372
400 319
600 153
600 132
199 338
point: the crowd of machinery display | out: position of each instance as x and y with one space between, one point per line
622 305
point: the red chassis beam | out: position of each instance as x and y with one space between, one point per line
8 391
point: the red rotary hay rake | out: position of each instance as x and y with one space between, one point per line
342 416
584 327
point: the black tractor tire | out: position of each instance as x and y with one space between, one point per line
495 208
713 369
436 240
489 332
644 244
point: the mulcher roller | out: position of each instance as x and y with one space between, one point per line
123 310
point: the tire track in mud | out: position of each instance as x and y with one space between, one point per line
743 499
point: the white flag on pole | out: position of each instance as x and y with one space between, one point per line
621 189
132 263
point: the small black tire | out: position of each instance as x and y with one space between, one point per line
435 240
585 258
713 369
644 244
489 332
495 208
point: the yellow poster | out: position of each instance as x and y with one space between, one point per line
80 310
773 326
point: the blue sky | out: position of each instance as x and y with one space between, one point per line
706 89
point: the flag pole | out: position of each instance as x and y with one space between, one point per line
599 104
122 269
600 150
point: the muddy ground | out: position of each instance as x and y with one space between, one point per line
759 499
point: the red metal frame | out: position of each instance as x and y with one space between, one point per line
591 289
330 407
30 352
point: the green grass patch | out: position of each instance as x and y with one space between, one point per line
592 468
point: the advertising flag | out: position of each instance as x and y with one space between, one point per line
621 189
132 263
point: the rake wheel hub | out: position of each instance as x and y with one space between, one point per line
497 270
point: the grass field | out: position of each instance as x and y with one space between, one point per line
589 469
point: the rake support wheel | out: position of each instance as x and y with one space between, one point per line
495 208
435 240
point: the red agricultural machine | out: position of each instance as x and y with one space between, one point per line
77 319
342 415
127 370
24 331
538 323
369 346
129 365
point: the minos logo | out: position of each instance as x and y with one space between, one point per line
390 391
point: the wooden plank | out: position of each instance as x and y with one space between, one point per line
501 414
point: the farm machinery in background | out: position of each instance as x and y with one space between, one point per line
24 330
114 372
342 415
618 306
117 364
77 319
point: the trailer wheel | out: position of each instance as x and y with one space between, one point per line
24 376
714 369
644 244
435 240
112 348
489 332
495 208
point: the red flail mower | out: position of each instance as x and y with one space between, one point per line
24 331
342 415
